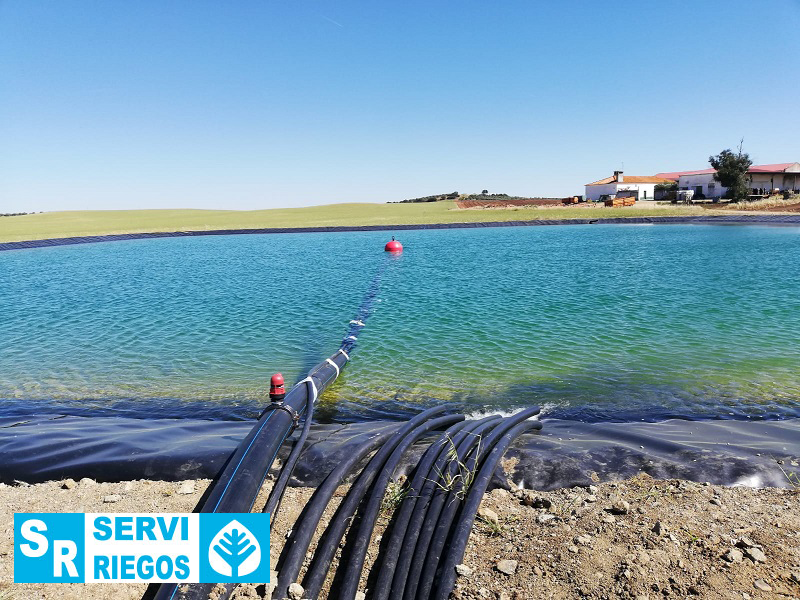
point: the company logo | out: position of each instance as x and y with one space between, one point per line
234 551
154 548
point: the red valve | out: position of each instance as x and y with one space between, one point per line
276 389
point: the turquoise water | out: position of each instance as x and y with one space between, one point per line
594 322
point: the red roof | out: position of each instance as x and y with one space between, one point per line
631 179
677 174
776 168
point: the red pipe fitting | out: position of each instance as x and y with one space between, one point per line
276 388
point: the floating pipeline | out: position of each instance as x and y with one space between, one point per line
236 486
564 454
698 220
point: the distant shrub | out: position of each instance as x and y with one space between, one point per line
437 198
483 196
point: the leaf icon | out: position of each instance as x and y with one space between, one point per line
234 551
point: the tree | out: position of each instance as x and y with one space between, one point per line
732 171
484 192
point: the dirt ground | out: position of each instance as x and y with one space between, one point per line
495 203
638 539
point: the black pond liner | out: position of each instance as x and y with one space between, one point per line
564 454
698 220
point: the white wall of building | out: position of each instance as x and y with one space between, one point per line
706 184
644 191
770 181
713 189
593 192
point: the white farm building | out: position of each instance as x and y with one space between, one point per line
763 179
641 187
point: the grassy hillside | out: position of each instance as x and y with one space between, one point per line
81 223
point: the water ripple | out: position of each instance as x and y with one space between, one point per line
598 323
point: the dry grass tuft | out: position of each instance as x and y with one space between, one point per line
766 203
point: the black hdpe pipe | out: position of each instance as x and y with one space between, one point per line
450 508
409 541
249 464
400 520
348 345
306 525
366 307
451 477
276 495
294 554
237 487
355 560
446 574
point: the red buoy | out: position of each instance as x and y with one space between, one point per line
276 389
393 246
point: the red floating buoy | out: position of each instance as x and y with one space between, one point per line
276 389
393 246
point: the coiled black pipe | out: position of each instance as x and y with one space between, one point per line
355 563
294 553
450 508
330 540
417 516
391 551
237 487
276 495
451 477
306 525
446 575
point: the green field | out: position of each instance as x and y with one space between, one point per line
101 222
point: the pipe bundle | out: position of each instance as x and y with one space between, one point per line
428 533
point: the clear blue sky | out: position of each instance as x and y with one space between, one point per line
258 104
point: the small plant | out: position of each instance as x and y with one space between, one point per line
458 476
396 492
693 538
491 528
792 477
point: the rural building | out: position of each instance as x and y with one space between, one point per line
763 179
641 187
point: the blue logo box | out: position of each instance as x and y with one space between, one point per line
141 547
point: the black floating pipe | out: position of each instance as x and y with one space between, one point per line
355 561
290 567
276 495
391 551
451 476
446 575
236 488
421 507
348 345
473 463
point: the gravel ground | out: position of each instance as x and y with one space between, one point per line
638 538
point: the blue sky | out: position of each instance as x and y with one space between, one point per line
259 104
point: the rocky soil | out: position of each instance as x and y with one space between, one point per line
637 539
